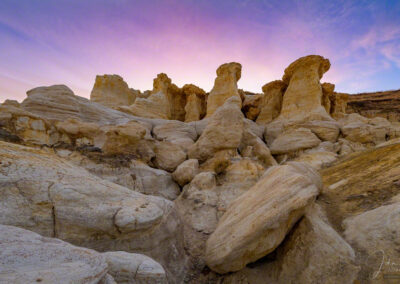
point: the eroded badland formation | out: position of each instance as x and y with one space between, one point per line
297 184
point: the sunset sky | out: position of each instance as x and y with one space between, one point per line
69 42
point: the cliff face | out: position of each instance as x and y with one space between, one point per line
383 104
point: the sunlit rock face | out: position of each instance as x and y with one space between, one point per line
225 86
196 102
112 91
271 104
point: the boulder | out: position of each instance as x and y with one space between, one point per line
224 131
134 268
251 105
58 102
186 171
27 257
176 132
46 194
168 156
294 140
225 86
112 91
258 220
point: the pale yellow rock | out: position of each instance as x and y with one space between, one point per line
168 156
318 160
219 162
339 105
225 86
196 102
223 132
258 220
294 140
112 91
76 130
176 132
271 104
186 171
166 101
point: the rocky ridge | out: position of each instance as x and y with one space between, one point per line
176 185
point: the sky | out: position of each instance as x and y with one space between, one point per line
69 42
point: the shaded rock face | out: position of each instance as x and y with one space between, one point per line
112 91
196 102
26 257
43 193
225 86
271 104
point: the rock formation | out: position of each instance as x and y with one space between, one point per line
184 186
112 91
225 86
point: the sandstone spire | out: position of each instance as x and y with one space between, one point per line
225 86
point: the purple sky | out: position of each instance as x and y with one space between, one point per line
69 42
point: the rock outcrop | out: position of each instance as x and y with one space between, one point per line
26 257
112 91
196 102
225 86
252 226
271 104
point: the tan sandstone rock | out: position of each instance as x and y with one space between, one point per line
27 257
112 91
294 140
196 102
258 220
327 94
223 132
271 104
186 171
225 86
168 156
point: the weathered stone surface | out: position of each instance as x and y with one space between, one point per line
186 171
52 197
112 91
303 96
168 156
224 131
176 132
225 86
379 104
357 128
258 220
26 257
339 105
375 234
58 102
294 140
166 101
327 94
252 105
271 104
363 181
318 160
135 175
196 102
134 268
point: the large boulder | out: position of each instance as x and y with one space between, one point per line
224 131
27 257
176 132
112 91
46 194
134 268
225 86
294 140
258 220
